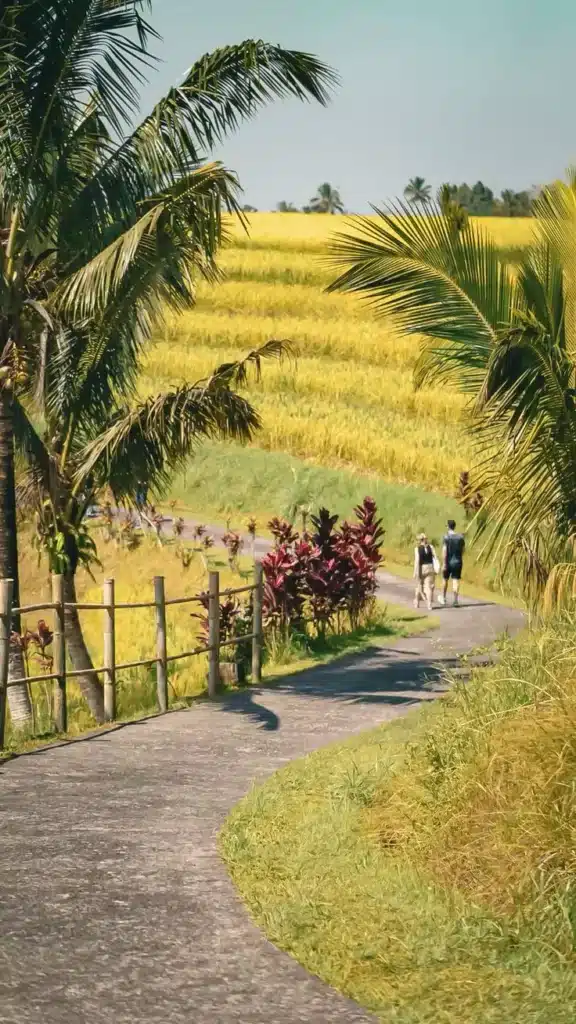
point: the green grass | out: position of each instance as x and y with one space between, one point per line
426 868
225 481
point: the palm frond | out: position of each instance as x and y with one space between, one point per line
53 56
448 286
154 439
237 374
88 47
529 515
181 225
139 279
41 473
555 212
219 92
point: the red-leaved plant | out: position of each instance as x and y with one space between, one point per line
235 622
233 543
322 576
35 643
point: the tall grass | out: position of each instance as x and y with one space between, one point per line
486 798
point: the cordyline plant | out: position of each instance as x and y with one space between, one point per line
235 622
36 642
104 229
251 528
470 499
320 576
233 543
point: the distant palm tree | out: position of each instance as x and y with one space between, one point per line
327 200
417 192
284 207
451 209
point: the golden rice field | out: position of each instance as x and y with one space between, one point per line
348 400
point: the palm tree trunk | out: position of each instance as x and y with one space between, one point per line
90 685
18 696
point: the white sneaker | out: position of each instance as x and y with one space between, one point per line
416 604
456 601
441 599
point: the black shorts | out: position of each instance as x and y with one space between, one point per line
453 571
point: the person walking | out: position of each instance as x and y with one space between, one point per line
453 546
426 566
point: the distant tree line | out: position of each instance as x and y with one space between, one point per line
480 201
326 200
477 200
459 201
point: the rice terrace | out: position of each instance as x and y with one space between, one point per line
287 515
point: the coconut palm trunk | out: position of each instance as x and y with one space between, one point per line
18 696
89 683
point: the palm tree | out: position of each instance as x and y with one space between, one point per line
452 210
326 200
95 215
86 446
417 192
508 342
284 207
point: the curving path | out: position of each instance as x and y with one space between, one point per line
114 905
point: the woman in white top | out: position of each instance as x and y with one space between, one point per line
426 565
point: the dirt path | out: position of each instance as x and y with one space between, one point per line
115 906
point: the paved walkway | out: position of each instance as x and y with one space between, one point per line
114 905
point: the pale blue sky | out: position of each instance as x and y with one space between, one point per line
449 89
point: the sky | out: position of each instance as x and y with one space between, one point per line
447 89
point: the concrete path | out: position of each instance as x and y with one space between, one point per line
115 906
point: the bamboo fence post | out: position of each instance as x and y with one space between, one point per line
59 655
213 633
6 593
257 639
161 644
109 651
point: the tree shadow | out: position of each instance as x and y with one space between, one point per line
378 675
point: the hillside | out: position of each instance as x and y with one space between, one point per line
349 400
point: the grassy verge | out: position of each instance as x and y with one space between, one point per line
426 868
135 638
229 482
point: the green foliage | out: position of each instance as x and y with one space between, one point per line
452 210
480 201
506 341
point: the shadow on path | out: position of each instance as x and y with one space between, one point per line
380 675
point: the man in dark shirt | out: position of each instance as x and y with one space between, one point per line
453 545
